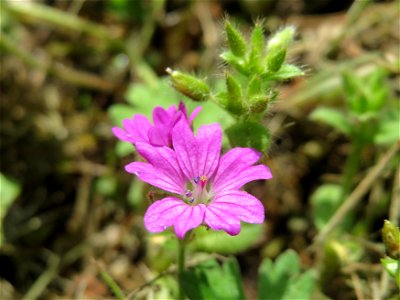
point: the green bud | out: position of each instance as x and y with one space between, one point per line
275 60
256 50
257 39
234 93
281 39
254 87
195 88
236 42
258 103
391 239
237 62
276 48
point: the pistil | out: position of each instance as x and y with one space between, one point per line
199 192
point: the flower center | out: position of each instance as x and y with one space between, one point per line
197 191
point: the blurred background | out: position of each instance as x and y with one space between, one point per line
70 70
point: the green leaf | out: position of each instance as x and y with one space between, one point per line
392 266
286 72
249 134
351 83
302 286
283 280
334 118
124 148
325 201
388 131
274 278
221 242
209 280
9 192
236 62
119 112
210 113
135 193
106 185
144 98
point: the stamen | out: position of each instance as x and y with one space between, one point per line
196 179
191 200
188 193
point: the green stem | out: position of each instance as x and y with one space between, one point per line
110 282
351 167
181 267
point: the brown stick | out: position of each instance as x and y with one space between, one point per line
357 194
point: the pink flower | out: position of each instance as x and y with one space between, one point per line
139 128
205 186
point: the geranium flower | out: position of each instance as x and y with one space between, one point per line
140 129
205 187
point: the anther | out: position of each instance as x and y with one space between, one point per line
191 200
196 179
188 193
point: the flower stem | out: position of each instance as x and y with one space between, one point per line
181 267
351 167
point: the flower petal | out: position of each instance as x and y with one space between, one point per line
222 220
241 204
161 117
197 156
171 211
158 136
194 114
147 173
164 161
185 146
191 218
182 108
229 208
236 169
135 130
209 139
172 110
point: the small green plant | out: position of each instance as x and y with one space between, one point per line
369 117
283 278
253 67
